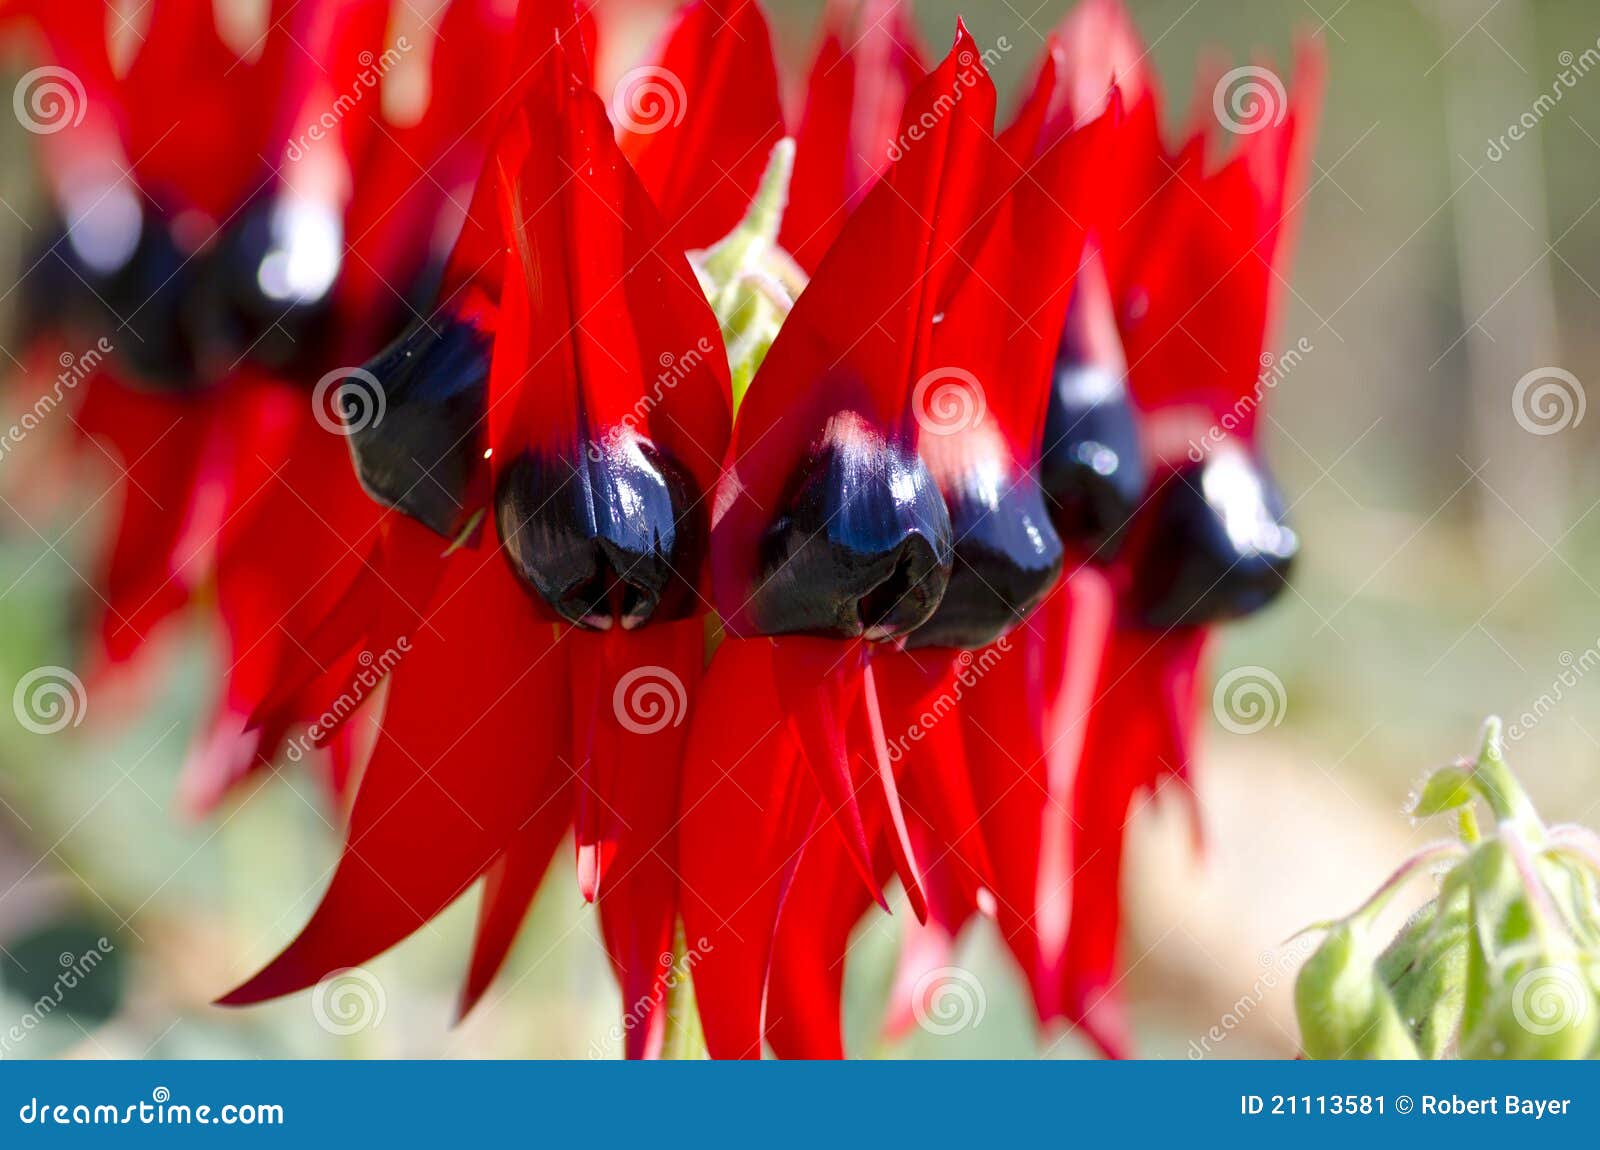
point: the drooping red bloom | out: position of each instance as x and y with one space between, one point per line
564 632
953 652
228 227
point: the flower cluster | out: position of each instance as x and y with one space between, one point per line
782 509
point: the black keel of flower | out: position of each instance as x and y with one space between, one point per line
1217 545
421 449
1007 557
606 536
862 548
1091 468
270 282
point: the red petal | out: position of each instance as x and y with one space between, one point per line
699 124
863 71
748 806
463 762
612 326
822 907
1140 733
859 337
644 719
508 891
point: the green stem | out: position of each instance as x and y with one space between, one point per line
684 1041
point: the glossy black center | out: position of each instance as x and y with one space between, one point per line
1007 557
862 547
1091 468
418 441
1214 544
614 535
270 282
120 274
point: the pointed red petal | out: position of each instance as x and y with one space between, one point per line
603 330
508 891
700 122
860 337
460 766
748 805
860 77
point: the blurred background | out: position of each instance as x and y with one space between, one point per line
1429 428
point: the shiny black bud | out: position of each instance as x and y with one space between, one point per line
862 547
1092 468
418 442
270 281
1213 543
128 279
616 533
1007 557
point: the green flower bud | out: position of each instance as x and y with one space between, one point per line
1425 969
1344 1007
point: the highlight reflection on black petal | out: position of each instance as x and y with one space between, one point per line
1007 557
1092 467
613 533
1216 545
863 544
421 457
